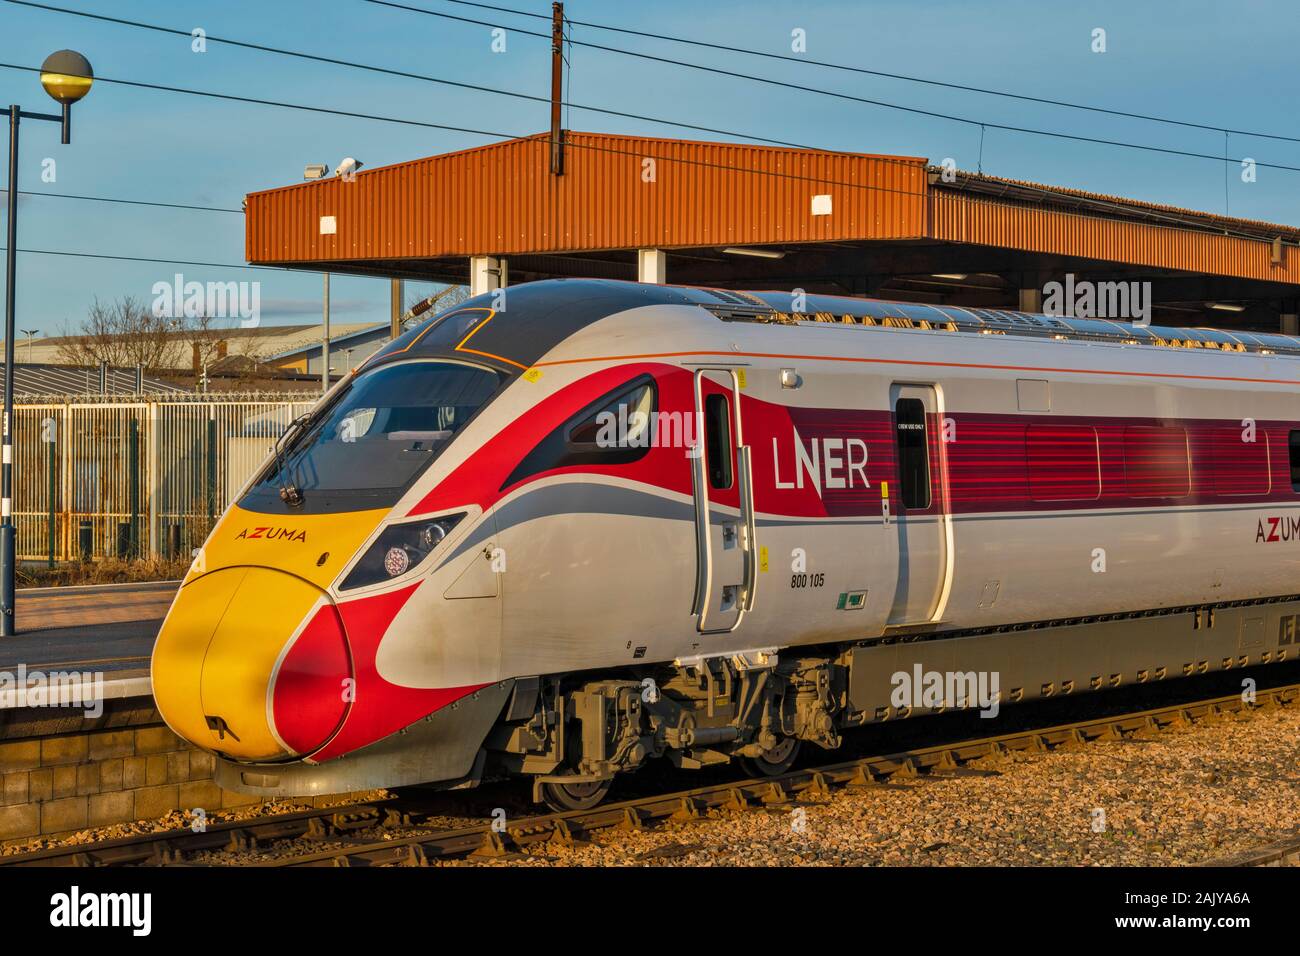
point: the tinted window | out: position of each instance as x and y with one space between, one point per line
1062 463
913 452
1234 465
384 429
616 429
717 440
1155 462
1295 461
449 331
623 422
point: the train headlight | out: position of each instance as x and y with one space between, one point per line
398 549
396 562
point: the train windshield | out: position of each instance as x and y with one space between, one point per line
372 442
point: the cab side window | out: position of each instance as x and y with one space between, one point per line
616 429
622 422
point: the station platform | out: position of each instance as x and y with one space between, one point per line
105 627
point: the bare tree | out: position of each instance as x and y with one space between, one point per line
123 333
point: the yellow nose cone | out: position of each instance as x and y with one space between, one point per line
218 652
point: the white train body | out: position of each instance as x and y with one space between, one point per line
681 490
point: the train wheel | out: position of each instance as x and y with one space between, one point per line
562 797
774 762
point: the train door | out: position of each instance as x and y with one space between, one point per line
921 521
724 513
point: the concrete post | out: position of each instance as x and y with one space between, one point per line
325 339
1031 300
652 266
395 310
487 274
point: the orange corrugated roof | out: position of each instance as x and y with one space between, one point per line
1194 216
621 192
617 192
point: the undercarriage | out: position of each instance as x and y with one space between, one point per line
574 733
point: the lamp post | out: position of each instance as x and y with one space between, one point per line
325 342
31 335
67 77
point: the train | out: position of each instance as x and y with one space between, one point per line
571 527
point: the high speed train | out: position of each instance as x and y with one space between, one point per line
567 528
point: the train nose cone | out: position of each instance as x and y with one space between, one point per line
252 663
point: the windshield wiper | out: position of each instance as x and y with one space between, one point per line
290 494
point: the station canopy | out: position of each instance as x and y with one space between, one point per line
739 216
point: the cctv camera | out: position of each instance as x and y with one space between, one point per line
348 167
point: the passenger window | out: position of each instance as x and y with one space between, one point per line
1062 463
913 453
1229 465
616 429
717 441
1295 460
1156 463
624 422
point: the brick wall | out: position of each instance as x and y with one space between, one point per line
59 784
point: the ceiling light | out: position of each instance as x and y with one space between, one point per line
955 276
1227 306
760 253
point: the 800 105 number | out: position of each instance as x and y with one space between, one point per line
808 580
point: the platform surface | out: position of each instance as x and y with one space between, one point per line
104 627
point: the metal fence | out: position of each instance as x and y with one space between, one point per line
135 477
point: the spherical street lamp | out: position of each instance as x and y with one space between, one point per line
67 77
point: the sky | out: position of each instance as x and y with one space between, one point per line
1214 63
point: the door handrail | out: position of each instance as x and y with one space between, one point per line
703 524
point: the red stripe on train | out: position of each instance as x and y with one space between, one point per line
807 461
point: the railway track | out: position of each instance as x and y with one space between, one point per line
1282 853
346 834
953 759
170 847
